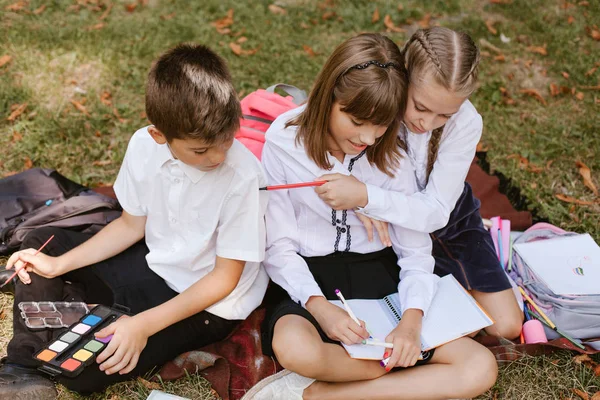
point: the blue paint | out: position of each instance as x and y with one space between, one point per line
91 320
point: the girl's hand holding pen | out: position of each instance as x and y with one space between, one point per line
342 192
406 338
335 322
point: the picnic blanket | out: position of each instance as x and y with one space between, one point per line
235 364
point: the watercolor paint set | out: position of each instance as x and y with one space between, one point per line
51 315
77 348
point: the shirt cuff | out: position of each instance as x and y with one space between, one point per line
417 291
375 200
307 293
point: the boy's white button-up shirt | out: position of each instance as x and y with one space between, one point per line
429 209
299 222
194 216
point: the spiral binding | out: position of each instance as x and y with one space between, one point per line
392 308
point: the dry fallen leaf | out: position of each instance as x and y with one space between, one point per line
97 26
168 17
5 59
482 148
106 12
39 10
101 163
489 24
27 163
328 15
375 16
105 98
500 58
538 49
242 39
80 107
149 385
18 6
308 50
534 93
565 75
17 110
579 96
425 21
554 90
583 395
389 24
224 22
131 7
569 199
17 136
236 48
570 20
594 33
275 9
586 174
591 71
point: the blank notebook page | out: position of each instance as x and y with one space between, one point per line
453 313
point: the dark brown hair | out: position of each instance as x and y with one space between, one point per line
451 58
189 94
375 93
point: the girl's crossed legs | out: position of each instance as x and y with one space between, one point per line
462 368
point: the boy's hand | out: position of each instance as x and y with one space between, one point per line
335 322
123 351
342 192
381 227
406 338
25 262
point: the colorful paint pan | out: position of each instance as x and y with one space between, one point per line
81 328
105 340
82 355
58 346
91 320
46 355
70 365
69 337
93 346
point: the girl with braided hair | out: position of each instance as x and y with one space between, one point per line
350 125
441 129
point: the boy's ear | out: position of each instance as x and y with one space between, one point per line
157 135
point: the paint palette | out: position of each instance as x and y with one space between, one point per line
77 348
48 314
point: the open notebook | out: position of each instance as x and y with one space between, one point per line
453 313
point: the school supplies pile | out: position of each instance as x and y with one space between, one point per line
559 271
453 314
42 197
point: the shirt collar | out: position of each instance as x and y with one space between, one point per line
164 155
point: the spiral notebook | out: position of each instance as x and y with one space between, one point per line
453 313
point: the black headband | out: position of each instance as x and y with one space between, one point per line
373 62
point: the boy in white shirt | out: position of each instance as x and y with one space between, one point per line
185 255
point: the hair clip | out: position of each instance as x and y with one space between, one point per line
373 62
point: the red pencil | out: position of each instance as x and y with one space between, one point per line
293 185
17 270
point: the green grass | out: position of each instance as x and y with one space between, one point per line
59 56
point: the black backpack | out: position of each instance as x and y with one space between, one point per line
43 197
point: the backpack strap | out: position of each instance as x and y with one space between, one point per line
298 95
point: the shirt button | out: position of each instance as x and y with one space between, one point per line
338 221
173 220
343 230
176 180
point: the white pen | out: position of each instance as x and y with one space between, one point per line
347 307
378 343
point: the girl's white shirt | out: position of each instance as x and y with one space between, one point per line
429 208
300 223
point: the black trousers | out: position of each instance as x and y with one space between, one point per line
124 279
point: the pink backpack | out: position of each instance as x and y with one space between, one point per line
260 108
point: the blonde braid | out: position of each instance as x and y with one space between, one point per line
434 144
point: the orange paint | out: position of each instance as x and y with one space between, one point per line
46 355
